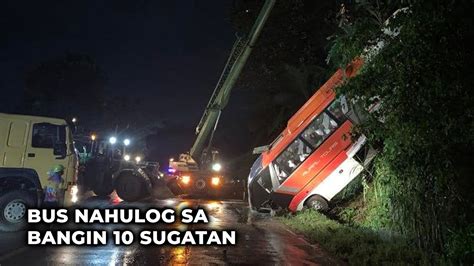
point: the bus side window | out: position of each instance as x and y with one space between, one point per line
291 158
319 130
280 174
339 108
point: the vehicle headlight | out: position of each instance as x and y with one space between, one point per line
215 181
74 192
185 179
138 159
216 167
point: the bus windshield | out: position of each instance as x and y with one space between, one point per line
256 168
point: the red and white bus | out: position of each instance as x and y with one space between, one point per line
315 156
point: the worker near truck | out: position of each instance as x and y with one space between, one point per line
53 192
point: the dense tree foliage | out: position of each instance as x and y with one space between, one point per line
422 180
422 77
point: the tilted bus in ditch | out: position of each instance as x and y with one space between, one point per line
315 156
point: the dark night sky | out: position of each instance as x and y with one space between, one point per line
169 53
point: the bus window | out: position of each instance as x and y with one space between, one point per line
319 130
339 108
291 158
315 134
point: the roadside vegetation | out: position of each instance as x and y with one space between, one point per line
420 187
354 244
415 205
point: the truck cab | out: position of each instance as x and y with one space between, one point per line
29 147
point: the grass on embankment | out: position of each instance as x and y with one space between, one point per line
353 244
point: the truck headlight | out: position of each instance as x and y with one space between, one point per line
138 159
185 179
215 181
74 192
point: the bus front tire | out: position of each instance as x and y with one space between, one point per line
13 209
317 203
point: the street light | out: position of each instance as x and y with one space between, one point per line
126 157
74 120
112 140
126 142
93 137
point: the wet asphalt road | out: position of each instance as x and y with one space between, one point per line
261 241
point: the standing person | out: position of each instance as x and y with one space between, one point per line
53 192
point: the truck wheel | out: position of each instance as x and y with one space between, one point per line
200 185
317 203
13 209
129 187
103 191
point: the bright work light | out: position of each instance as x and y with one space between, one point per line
216 167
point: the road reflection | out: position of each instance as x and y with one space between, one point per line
260 241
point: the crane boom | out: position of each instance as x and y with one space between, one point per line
235 63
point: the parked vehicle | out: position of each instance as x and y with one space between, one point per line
29 147
109 169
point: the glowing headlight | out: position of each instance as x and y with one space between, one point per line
74 192
185 179
112 140
215 181
138 159
126 142
216 167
